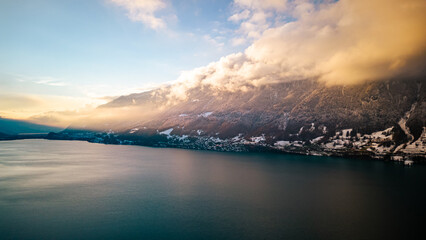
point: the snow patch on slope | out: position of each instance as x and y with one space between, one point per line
282 143
205 114
133 130
166 132
258 139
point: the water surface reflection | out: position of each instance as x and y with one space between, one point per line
69 190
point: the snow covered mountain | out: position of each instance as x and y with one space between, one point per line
383 119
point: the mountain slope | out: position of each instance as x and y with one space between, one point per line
15 127
3 135
382 118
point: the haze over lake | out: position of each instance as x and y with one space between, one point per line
80 190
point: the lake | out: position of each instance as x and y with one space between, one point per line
80 190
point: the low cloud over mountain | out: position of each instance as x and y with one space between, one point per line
339 43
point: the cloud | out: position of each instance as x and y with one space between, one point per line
279 5
344 42
347 41
49 100
255 16
50 82
215 41
29 105
144 11
98 118
62 118
45 80
237 17
108 91
238 41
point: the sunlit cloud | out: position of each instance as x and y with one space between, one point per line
11 102
25 97
255 16
337 42
239 16
145 11
344 42
63 118
26 106
279 5
108 91
347 41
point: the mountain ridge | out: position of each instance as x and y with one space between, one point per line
383 119
15 127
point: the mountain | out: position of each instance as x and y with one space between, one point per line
381 119
3 135
19 127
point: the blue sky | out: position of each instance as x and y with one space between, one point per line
63 56
93 48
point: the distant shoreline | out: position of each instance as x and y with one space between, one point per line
24 136
417 160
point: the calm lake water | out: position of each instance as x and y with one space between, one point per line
80 190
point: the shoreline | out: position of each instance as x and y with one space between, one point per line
406 159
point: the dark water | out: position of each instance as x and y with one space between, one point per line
79 190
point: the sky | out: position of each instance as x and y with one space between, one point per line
60 54
70 56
